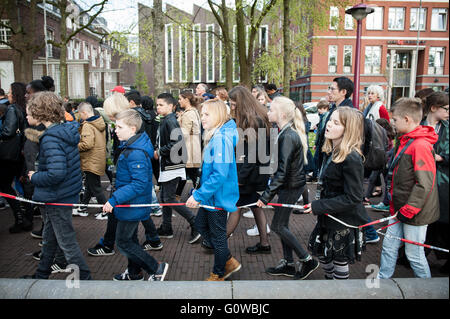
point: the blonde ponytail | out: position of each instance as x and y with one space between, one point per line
287 107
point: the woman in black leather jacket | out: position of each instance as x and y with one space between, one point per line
13 124
288 183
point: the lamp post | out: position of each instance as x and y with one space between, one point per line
358 12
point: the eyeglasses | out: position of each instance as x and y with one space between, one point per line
445 108
330 88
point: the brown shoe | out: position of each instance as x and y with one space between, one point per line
214 277
231 266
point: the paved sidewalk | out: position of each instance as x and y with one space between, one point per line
187 262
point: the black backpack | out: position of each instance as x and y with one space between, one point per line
375 146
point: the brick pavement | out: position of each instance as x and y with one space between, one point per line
187 262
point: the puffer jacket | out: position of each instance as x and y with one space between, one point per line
58 178
414 189
92 145
219 180
133 179
290 173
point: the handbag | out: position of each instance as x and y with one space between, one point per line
11 148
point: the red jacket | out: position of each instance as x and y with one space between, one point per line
414 185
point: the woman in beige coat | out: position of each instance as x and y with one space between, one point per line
190 125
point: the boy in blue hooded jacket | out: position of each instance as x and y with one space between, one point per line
133 180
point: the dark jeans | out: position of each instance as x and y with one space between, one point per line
93 188
8 170
280 225
111 230
374 180
59 231
213 227
168 196
128 245
192 173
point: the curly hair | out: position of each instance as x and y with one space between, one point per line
46 107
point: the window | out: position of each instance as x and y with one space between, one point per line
76 53
93 56
439 19
418 14
332 58
183 54
348 49
210 53
5 33
436 60
101 54
236 66
396 19
85 51
374 21
168 31
334 18
263 44
402 60
50 36
348 21
222 66
196 45
372 63
70 50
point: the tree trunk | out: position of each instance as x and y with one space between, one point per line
63 49
286 49
241 45
158 48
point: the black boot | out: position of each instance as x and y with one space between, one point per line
21 223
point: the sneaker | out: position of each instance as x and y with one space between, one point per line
195 236
258 249
255 232
152 245
380 207
161 273
2 206
208 248
156 213
37 255
306 268
41 244
372 240
282 269
214 277
59 268
126 276
231 266
101 216
248 214
36 234
80 212
100 250
165 233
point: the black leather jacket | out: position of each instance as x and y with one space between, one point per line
171 146
12 120
290 172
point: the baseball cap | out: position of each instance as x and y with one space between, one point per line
119 89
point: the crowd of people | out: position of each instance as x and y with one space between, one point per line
55 151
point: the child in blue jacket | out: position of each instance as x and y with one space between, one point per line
133 180
219 186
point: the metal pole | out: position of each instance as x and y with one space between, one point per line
357 64
45 38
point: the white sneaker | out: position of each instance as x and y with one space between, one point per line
101 216
81 213
158 213
248 214
254 230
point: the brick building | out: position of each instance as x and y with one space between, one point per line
93 65
414 33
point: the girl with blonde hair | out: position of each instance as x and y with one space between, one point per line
115 104
341 182
288 183
219 186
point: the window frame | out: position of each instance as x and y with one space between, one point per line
425 11
380 10
397 9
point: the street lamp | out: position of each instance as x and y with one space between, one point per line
358 12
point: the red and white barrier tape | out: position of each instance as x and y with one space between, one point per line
249 205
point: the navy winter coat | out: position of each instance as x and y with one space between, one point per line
133 179
58 178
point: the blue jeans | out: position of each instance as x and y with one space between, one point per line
154 200
59 231
128 245
213 227
414 253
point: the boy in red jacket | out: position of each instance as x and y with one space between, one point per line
413 190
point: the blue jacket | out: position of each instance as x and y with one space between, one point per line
219 181
58 178
133 179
